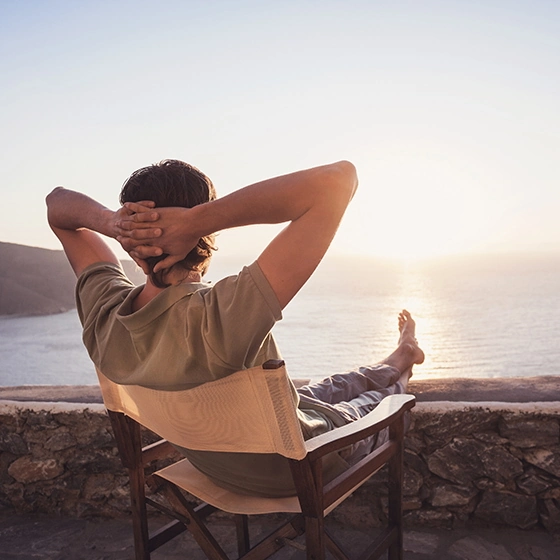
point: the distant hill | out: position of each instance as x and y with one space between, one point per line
36 281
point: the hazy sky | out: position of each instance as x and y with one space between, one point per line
449 109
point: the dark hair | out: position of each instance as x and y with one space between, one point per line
173 183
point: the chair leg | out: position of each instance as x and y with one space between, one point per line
129 442
242 530
395 490
315 538
139 515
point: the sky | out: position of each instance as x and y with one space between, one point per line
448 109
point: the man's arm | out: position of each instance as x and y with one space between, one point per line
74 218
312 201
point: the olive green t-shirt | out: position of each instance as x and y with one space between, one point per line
191 334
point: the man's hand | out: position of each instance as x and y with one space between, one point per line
76 219
145 232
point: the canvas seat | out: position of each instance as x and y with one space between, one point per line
250 411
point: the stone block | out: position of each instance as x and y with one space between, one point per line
11 423
14 495
6 459
506 508
42 419
465 460
94 463
410 504
27 469
532 484
415 462
98 487
449 495
492 438
413 481
12 442
445 426
60 439
550 515
529 432
458 461
552 494
499 464
414 443
36 438
488 484
544 459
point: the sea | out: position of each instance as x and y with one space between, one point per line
477 317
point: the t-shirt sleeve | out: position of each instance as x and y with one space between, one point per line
239 313
99 287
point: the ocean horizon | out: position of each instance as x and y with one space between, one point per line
477 317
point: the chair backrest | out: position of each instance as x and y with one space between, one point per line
251 411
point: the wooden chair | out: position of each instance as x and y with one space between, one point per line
250 411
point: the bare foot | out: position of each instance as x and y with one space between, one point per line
407 328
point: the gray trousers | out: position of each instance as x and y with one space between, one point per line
352 395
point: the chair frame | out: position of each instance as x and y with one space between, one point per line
316 498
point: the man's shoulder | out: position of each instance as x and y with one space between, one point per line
100 283
103 274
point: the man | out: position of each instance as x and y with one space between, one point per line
177 332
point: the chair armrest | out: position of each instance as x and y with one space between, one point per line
384 414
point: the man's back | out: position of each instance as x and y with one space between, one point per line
188 334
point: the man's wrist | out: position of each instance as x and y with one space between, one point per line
196 221
107 223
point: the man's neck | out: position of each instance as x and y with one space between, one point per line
149 292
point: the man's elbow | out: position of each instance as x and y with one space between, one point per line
53 195
347 177
52 202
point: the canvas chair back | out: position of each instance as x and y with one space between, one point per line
252 410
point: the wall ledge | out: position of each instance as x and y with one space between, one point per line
503 389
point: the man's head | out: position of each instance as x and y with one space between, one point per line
173 183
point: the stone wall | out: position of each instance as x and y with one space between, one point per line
466 464
478 464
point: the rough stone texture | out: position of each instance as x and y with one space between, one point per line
466 465
523 432
62 459
546 459
550 514
448 495
507 508
483 465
